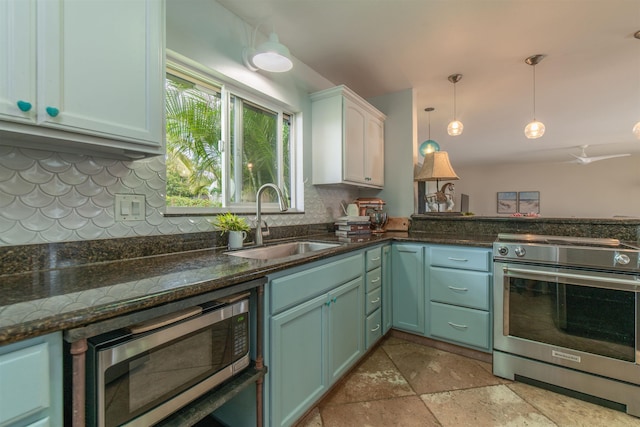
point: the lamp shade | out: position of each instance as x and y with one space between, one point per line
436 166
272 56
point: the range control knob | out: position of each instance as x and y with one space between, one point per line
622 259
503 250
520 251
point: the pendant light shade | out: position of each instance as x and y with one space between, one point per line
429 146
270 56
455 127
534 129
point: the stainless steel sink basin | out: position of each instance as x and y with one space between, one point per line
283 250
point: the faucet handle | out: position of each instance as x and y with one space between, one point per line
266 232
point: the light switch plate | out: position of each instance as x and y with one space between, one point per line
130 207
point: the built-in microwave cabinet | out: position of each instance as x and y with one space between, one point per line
347 139
83 77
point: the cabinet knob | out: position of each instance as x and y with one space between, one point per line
24 106
52 111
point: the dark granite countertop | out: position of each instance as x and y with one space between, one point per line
39 302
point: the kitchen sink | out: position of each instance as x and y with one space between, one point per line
283 250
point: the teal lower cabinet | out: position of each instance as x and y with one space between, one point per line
374 280
31 382
459 288
316 333
408 287
387 309
460 324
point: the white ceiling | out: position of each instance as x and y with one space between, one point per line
587 87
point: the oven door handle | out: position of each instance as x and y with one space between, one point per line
580 279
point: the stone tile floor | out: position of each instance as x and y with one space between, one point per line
406 384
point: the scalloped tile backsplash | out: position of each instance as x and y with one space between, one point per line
50 197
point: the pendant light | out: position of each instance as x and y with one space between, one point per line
534 129
429 146
636 128
455 127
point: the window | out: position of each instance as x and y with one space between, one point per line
222 146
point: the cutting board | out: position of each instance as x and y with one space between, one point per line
397 224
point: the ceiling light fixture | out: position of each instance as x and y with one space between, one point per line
429 146
534 129
455 127
270 56
636 128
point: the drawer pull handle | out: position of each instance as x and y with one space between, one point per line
457 259
453 288
375 300
375 259
377 279
376 328
454 325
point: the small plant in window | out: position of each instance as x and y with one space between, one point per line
230 222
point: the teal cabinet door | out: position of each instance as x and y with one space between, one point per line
408 291
346 327
386 289
31 382
299 370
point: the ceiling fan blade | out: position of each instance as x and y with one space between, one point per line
580 159
611 156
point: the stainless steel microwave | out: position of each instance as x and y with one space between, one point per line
139 375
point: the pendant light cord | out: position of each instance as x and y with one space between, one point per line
454 102
534 93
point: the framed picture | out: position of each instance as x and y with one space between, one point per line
529 202
507 202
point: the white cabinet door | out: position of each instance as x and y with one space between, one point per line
374 152
92 72
17 55
99 66
347 139
354 137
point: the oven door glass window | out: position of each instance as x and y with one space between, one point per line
593 320
140 383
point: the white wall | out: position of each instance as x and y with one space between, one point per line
599 190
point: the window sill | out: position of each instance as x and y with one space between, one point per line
193 212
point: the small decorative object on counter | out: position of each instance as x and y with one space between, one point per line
351 225
236 226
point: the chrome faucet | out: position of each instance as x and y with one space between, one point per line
283 207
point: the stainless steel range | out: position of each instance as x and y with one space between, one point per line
566 314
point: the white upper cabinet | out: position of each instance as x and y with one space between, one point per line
85 76
347 139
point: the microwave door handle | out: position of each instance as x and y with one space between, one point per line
584 280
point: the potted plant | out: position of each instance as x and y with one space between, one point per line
236 226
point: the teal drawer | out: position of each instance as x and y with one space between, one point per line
295 288
456 257
374 299
374 328
460 287
460 324
373 258
374 279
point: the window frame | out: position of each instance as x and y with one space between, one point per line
205 79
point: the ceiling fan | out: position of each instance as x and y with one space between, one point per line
583 159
